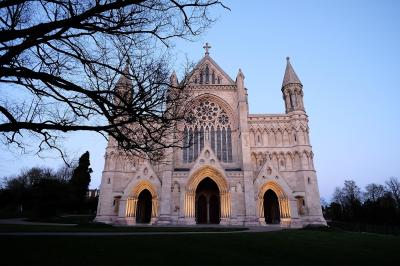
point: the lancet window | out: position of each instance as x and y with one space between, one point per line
207 75
208 122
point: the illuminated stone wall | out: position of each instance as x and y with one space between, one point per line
261 152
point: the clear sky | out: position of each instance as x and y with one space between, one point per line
346 53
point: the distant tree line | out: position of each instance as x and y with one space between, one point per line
378 204
44 192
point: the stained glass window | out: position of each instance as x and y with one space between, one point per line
207 114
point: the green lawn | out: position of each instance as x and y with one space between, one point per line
11 228
290 247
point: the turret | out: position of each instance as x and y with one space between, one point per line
292 90
240 86
123 88
173 79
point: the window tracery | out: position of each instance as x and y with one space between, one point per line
208 122
207 75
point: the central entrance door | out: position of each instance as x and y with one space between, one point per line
143 211
271 208
207 202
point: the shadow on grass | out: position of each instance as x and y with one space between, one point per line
100 227
288 247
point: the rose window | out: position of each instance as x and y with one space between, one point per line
223 119
208 122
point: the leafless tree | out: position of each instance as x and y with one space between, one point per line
373 192
61 59
338 196
393 186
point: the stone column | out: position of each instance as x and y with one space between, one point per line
189 207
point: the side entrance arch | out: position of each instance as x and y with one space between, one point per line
273 204
271 208
142 205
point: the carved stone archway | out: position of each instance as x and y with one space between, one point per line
195 179
283 200
131 203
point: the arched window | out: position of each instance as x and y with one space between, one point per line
190 148
201 139
207 75
229 144
292 100
219 143
207 114
195 143
185 144
213 78
212 138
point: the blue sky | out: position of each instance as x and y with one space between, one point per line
346 53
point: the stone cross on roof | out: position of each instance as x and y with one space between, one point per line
206 47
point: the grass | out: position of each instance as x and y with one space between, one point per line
93 227
67 219
289 247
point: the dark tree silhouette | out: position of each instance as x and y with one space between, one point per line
37 192
373 192
378 207
393 187
80 181
61 59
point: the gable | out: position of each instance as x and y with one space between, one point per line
208 72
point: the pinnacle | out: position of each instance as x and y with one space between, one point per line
240 73
290 76
124 78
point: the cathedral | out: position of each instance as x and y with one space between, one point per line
234 168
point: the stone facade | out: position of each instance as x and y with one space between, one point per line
238 169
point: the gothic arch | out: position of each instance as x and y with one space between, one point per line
273 186
218 100
142 185
289 161
282 199
210 119
279 137
296 161
264 134
260 159
204 172
275 161
194 181
306 159
285 138
282 161
131 203
259 137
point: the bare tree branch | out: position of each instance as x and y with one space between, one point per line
67 60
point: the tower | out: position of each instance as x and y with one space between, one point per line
292 89
309 201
